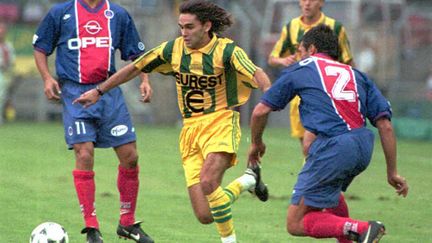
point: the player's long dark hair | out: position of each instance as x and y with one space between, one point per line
207 11
324 39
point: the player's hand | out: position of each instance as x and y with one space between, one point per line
88 98
52 89
146 92
399 183
288 60
256 151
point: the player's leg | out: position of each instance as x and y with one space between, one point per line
222 137
307 141
200 204
294 221
340 210
319 185
218 199
84 182
305 220
116 130
127 181
80 134
128 185
192 161
198 199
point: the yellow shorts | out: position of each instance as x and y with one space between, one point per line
297 129
215 132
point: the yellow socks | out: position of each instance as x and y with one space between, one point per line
220 206
233 190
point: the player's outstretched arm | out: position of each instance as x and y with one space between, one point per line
262 79
258 123
388 142
122 76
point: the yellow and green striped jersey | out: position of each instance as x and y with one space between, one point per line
293 32
212 78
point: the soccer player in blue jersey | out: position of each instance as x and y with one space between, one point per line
85 35
336 99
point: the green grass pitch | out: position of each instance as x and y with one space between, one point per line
36 186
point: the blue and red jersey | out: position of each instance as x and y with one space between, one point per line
86 39
335 98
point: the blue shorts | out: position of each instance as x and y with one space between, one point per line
330 167
106 123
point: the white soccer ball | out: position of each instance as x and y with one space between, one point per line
49 232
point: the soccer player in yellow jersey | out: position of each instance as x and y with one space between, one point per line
212 75
285 52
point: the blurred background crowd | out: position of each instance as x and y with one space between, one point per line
391 41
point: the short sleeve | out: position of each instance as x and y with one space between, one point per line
46 36
344 46
280 93
155 60
279 45
242 63
376 104
131 45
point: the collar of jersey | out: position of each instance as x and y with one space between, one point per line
90 9
323 55
207 49
319 21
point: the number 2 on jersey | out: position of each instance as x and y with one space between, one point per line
339 91
339 83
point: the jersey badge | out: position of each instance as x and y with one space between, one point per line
109 14
141 46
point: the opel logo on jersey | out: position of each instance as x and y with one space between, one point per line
92 27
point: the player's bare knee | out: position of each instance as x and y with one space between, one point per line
84 156
291 227
129 160
204 218
132 160
207 185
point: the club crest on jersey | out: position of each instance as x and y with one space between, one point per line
109 14
70 131
141 46
92 27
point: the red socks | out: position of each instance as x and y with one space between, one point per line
320 224
85 188
127 184
342 211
